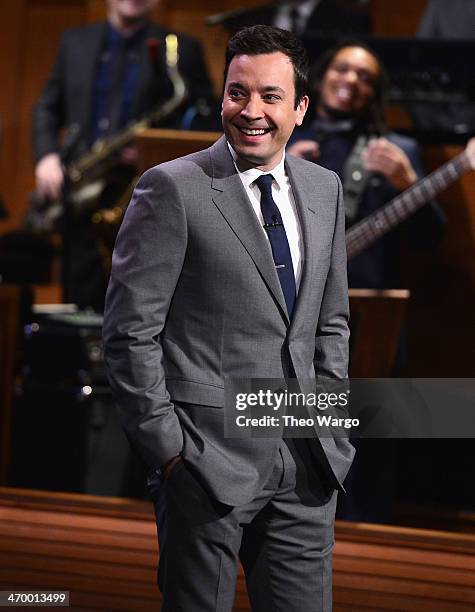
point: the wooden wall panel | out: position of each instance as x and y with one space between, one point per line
397 18
13 42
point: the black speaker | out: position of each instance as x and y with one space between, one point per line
66 430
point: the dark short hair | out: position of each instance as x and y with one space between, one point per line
262 39
375 111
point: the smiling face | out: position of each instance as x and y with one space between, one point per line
259 111
348 85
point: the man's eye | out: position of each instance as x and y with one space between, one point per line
235 94
271 98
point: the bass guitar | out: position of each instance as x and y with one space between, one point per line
373 227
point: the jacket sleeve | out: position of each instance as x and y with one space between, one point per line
331 341
48 112
146 266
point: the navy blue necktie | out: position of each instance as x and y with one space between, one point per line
278 240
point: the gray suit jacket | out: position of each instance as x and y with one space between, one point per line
194 298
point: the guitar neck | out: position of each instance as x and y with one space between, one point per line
364 233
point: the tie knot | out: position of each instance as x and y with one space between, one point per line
264 182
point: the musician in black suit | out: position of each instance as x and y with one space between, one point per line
105 76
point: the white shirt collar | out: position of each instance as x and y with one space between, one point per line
249 176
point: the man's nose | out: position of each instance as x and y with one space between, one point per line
253 109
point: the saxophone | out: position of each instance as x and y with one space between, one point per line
86 177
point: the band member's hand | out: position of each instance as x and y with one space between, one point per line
389 160
305 149
49 176
129 155
169 466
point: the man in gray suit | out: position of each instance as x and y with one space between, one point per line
231 264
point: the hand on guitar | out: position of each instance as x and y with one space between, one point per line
370 229
305 149
389 160
49 176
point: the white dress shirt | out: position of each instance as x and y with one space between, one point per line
285 201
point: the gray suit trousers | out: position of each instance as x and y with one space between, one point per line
284 538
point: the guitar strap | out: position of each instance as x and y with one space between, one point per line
355 178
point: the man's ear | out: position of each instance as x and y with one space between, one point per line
301 110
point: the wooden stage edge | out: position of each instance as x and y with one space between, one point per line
104 551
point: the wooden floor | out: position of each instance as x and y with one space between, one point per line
104 551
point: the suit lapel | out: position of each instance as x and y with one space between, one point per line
231 199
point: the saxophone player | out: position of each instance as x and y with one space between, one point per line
105 75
